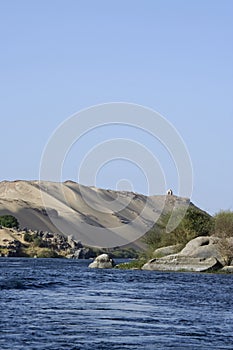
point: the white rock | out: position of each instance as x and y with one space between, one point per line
102 261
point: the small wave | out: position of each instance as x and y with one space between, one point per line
11 284
19 284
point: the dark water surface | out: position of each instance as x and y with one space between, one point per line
61 304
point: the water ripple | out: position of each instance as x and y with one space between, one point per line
61 304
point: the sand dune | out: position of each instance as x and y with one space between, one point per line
97 217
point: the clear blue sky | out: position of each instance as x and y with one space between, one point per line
175 56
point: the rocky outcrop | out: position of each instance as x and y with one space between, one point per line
182 263
102 261
82 253
163 251
29 243
202 247
227 269
12 248
200 254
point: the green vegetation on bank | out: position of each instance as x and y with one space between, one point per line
191 224
132 265
35 240
9 221
194 223
121 253
223 228
223 223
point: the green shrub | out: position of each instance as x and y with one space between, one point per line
38 242
9 221
28 237
223 228
195 223
223 224
131 265
125 253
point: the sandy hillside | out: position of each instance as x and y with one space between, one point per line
9 235
97 217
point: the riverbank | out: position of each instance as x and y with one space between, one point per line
39 244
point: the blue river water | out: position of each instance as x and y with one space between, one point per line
58 304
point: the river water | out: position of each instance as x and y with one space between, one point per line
58 304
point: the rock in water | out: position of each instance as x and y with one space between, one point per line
202 247
182 263
227 269
102 261
199 255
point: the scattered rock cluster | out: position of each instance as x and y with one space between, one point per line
19 241
11 247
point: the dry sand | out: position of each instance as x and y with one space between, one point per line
97 217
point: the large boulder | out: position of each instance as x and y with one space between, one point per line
202 247
182 263
168 250
227 269
199 254
102 261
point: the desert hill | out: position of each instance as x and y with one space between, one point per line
96 217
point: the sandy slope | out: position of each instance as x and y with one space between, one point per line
97 217
8 235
